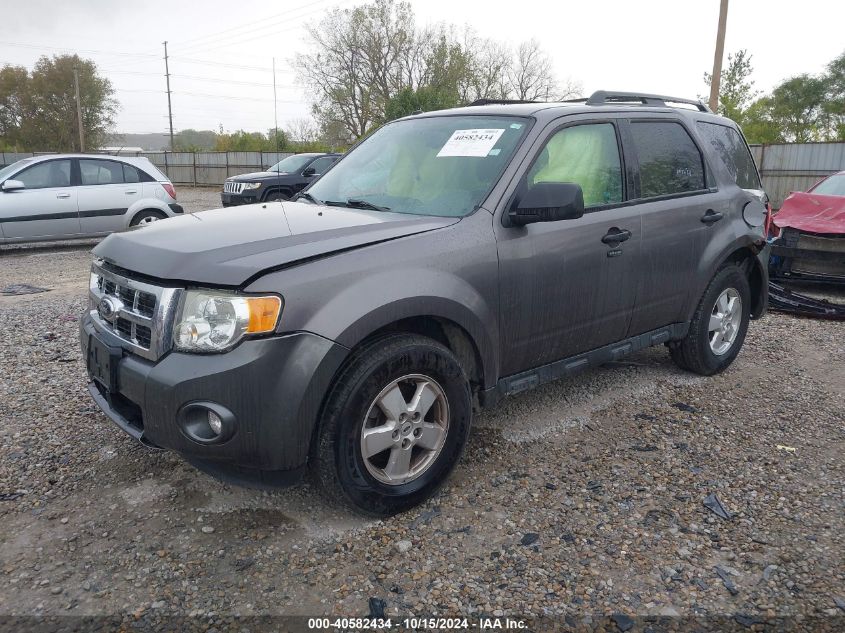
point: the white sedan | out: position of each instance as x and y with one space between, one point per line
66 196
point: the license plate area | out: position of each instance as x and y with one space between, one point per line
102 363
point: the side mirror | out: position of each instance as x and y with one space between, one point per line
309 171
13 185
548 202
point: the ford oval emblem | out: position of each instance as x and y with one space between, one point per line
107 308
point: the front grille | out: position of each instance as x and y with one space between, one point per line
230 186
138 313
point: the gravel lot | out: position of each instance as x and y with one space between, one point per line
581 499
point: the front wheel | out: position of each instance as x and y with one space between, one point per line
273 196
718 327
394 426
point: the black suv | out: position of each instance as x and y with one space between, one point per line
279 182
449 260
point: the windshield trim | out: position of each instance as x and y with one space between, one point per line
529 119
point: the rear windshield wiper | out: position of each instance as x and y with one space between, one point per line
307 196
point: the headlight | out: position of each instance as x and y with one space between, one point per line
214 321
252 185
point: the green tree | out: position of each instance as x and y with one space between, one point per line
48 117
834 105
796 108
13 105
242 141
736 88
425 99
190 140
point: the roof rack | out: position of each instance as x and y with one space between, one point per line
481 102
603 97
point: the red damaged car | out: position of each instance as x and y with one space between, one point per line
809 244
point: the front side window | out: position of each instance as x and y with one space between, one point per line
438 165
587 155
53 173
670 163
8 170
322 164
831 186
733 152
100 172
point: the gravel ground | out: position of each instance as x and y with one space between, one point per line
581 499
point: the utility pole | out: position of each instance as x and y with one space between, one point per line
169 109
716 77
79 109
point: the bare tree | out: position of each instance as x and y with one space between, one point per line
303 130
531 75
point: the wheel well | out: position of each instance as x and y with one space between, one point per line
446 332
274 189
149 210
746 259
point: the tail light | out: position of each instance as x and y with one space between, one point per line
169 189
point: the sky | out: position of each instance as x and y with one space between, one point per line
221 53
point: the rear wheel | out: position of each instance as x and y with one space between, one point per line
147 217
718 327
394 426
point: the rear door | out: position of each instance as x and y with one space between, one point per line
676 203
46 208
107 189
566 288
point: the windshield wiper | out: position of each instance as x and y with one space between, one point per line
307 196
365 204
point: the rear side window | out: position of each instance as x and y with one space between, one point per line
733 152
587 155
130 174
670 162
100 172
53 173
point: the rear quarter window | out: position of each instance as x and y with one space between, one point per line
733 152
670 162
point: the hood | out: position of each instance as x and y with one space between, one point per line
261 175
813 213
225 247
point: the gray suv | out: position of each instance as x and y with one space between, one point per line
449 260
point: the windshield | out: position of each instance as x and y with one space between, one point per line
833 186
9 170
441 166
292 163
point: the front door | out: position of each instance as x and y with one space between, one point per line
46 208
568 286
107 189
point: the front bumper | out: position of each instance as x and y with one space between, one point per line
806 257
234 199
274 387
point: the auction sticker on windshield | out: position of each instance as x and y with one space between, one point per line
470 143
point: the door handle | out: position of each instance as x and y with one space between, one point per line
616 236
129 193
711 216
63 195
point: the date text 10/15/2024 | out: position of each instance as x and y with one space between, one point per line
358 624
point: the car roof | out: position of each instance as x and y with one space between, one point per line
600 103
129 159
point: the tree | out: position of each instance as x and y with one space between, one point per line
531 75
195 140
243 141
796 109
424 99
13 105
834 105
372 58
736 88
49 117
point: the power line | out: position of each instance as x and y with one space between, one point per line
76 50
192 42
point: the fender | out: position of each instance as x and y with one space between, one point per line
145 203
457 301
714 256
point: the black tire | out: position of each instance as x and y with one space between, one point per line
146 216
694 352
337 462
276 195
